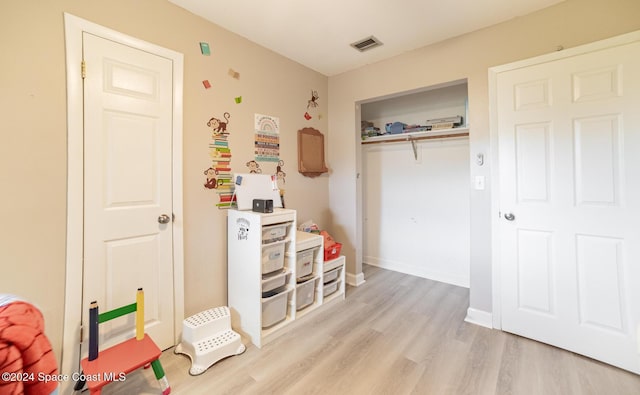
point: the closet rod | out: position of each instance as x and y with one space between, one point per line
410 138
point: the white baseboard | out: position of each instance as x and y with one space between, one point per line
417 271
479 317
355 280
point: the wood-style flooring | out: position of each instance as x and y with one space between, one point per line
396 334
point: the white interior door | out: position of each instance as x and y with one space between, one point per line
569 152
127 187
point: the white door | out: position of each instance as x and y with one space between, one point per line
127 187
569 151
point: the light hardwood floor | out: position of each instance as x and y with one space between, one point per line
396 334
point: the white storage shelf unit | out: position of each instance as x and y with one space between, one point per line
248 256
333 279
256 242
305 244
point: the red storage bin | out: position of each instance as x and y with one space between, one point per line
332 252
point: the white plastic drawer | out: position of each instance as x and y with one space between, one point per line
330 288
305 293
274 280
274 308
304 262
273 233
272 257
331 275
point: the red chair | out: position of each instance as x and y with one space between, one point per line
112 364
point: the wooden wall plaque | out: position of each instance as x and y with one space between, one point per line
311 152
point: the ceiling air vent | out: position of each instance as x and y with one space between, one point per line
366 44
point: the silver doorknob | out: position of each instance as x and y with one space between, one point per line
164 219
509 216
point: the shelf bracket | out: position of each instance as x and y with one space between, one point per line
415 149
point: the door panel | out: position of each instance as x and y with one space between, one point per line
128 181
569 147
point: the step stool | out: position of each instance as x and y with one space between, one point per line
207 337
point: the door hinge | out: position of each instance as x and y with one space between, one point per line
83 69
81 330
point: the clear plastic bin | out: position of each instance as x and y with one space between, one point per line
274 280
305 294
274 308
304 262
330 288
272 257
331 275
273 233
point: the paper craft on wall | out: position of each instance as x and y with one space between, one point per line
219 176
204 49
206 84
267 141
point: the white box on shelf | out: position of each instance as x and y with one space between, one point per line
274 308
304 262
272 257
331 275
305 293
274 280
273 233
330 288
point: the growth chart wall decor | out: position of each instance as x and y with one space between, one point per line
218 175
267 143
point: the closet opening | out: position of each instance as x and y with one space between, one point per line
414 187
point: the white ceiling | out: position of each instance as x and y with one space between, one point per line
318 33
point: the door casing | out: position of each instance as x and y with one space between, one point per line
74 27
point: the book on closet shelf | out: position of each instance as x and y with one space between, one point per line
443 125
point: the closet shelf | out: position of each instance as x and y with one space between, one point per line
414 136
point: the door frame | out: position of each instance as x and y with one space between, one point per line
623 39
74 28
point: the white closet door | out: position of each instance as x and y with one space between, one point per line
569 150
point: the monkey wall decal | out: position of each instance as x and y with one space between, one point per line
254 167
219 127
212 183
280 174
313 101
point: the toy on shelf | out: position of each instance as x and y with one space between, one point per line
331 247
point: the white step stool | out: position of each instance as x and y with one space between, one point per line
207 338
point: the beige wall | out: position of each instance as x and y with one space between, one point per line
568 24
33 151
